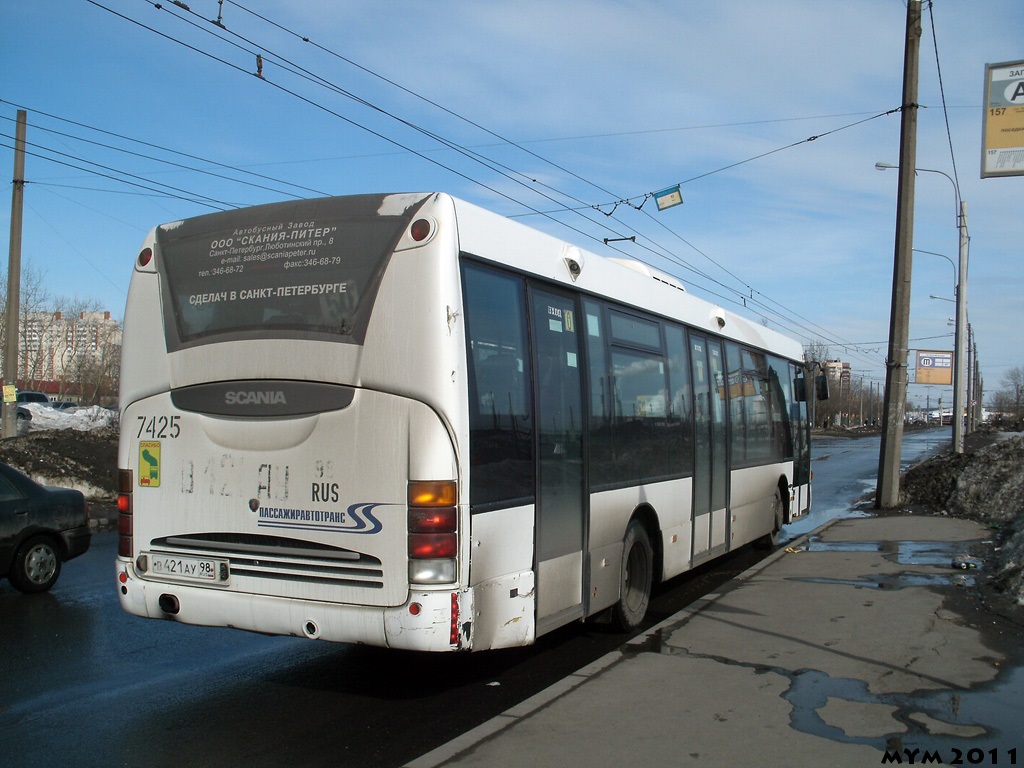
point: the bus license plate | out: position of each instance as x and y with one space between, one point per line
190 568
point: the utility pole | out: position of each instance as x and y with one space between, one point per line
10 417
960 385
862 401
977 396
888 491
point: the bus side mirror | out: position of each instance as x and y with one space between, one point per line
800 390
821 387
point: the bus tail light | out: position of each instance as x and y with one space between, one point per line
420 230
424 546
433 531
125 519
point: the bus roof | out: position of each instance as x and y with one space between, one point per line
490 236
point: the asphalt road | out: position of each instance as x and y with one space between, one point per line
83 683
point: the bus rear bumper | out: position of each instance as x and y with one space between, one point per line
428 621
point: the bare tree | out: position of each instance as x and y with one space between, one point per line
816 353
95 366
34 301
67 342
1009 398
72 341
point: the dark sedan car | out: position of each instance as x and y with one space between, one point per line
40 528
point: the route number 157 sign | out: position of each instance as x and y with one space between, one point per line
1002 151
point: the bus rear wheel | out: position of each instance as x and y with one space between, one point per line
771 540
637 577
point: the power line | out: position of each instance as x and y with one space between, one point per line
504 140
219 23
180 166
168 191
487 163
350 121
72 246
942 93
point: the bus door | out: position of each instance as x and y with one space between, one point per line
559 427
711 470
799 425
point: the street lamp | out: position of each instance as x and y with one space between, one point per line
944 256
960 348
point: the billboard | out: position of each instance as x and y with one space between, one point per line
1002 150
934 367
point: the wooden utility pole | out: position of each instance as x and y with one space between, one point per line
10 415
893 414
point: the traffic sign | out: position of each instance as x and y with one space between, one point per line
934 367
1002 151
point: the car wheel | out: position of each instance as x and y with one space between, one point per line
36 565
637 575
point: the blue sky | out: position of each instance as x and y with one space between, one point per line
584 104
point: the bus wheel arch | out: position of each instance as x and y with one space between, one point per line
637 572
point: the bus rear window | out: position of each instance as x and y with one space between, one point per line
309 268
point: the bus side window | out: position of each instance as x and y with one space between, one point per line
499 384
501 471
680 398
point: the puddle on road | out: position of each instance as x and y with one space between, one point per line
942 554
986 718
950 556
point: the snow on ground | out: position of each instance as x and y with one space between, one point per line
80 419
71 449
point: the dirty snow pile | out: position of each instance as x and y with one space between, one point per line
79 419
72 449
988 486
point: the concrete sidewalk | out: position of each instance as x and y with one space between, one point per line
836 650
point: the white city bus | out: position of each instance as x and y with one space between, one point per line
405 421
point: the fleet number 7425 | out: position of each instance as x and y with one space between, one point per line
158 427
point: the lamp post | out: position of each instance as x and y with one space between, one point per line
960 347
944 256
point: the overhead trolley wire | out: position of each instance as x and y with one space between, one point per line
504 140
142 183
181 166
490 164
942 94
348 120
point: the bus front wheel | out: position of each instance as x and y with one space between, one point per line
637 577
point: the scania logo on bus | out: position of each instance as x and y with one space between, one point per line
255 397
263 398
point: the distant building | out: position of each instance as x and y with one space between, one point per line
839 379
59 353
838 374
